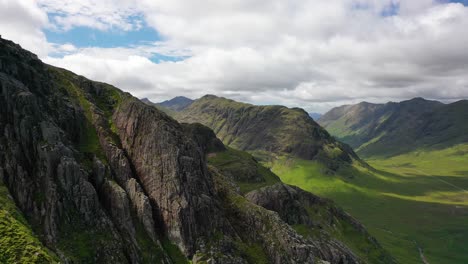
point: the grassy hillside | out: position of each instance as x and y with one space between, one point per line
249 175
269 129
18 243
414 204
396 128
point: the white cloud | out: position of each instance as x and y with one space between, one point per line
101 15
21 21
312 54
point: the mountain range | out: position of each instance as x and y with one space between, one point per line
91 174
413 183
395 128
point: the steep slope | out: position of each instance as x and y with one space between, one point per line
395 128
264 130
336 236
18 243
102 177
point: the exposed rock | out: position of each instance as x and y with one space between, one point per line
142 206
204 137
172 172
295 207
102 177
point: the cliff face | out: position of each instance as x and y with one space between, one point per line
322 223
104 178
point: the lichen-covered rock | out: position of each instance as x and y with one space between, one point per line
142 206
172 171
303 209
104 178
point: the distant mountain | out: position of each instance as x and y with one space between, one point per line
178 103
315 116
395 128
90 174
166 110
267 129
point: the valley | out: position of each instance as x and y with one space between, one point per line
408 202
411 197
91 174
234 132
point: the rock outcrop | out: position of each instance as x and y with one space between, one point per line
305 210
102 177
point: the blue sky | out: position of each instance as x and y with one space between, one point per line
311 54
83 37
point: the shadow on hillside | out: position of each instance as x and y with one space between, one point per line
410 185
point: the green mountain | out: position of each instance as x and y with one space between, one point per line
90 174
177 103
396 128
268 131
415 204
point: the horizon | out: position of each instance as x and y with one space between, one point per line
313 55
321 113
233 132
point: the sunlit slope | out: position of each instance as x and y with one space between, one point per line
415 205
396 128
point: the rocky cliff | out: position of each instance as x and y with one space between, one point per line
102 177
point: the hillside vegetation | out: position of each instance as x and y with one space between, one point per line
267 131
396 128
100 177
414 204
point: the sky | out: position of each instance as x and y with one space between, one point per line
306 53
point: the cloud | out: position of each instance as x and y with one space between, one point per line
312 54
21 21
101 15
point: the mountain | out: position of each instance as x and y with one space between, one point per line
90 174
395 128
178 103
267 130
166 110
315 116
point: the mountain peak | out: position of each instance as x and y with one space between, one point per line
397 127
210 96
177 103
146 100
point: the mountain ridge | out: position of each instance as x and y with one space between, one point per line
177 103
273 129
102 177
395 128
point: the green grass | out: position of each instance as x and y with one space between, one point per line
409 201
150 252
18 243
243 169
174 252
253 252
